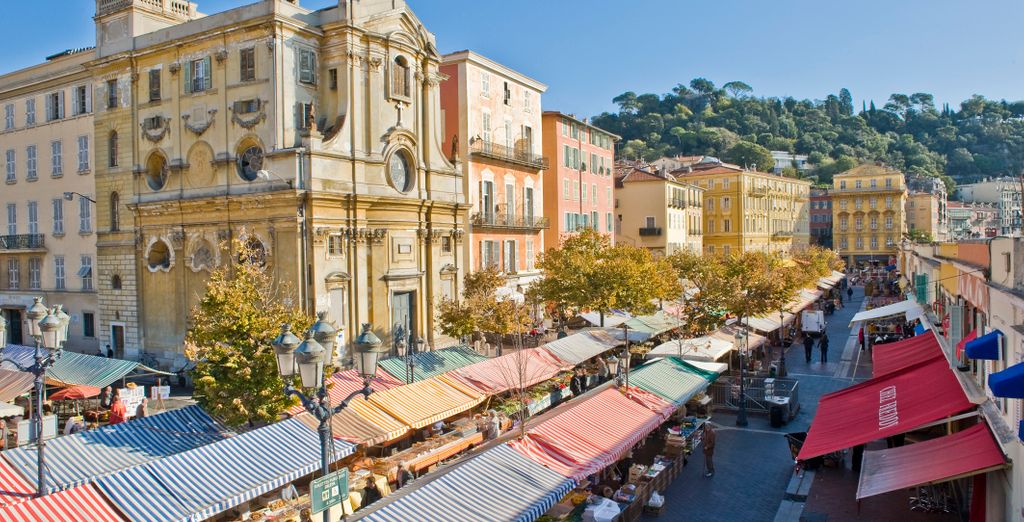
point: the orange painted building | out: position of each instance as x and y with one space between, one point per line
491 117
579 183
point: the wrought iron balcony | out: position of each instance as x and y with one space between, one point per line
22 242
782 235
491 150
758 192
650 231
509 221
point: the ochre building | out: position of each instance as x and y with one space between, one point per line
868 215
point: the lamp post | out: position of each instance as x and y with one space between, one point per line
410 359
308 358
49 328
741 417
325 334
782 345
624 360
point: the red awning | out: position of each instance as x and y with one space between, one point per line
884 406
963 342
519 369
893 357
82 504
961 454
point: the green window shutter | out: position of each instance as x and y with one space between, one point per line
188 77
207 74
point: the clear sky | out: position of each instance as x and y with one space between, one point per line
589 51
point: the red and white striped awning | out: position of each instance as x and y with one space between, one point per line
82 504
13 487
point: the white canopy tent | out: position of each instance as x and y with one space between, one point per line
909 308
611 319
716 367
706 348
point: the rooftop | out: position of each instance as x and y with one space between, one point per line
869 169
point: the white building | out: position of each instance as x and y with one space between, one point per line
785 159
1006 193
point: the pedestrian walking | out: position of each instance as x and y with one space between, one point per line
823 346
808 347
709 449
860 338
849 294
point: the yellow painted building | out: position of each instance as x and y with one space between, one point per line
658 212
746 210
312 135
868 212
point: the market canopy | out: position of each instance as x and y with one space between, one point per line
762 324
610 319
512 371
78 368
13 487
205 481
430 364
830 281
82 504
728 334
1008 383
706 348
591 435
652 325
985 347
499 484
14 384
582 346
342 384
425 402
892 357
910 309
884 406
78 458
671 379
965 453
360 423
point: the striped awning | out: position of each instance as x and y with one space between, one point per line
512 371
671 379
582 346
430 364
361 423
78 458
14 384
81 504
498 485
342 384
591 435
205 481
77 368
425 402
13 486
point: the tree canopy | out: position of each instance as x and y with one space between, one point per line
981 138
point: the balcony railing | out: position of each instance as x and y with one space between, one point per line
677 202
509 221
870 189
650 231
759 192
498 152
782 234
22 242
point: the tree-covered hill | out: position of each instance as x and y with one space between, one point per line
981 138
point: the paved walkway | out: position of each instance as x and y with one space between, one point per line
753 463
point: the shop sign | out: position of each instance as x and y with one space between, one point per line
327 491
974 290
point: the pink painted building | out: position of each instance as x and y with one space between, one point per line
579 182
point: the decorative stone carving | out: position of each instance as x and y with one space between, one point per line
457 235
177 238
159 255
375 236
249 123
223 235
375 62
221 55
200 128
174 67
433 79
202 253
428 235
156 135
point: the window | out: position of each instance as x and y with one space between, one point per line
58 272
486 122
58 216
584 193
511 257
56 159
650 222
33 273
726 250
30 111
250 162
608 221
874 183
565 127
111 94
842 204
84 215
8 116
82 104
593 193
307 67
526 100
888 182
888 222
873 202
247 65
198 75
565 189
576 190
485 84
888 202
529 254
842 184
112 149
156 171
726 204
83 154
30 163
12 219
12 175
507 98
154 85
711 226
55 106
608 195
574 131
400 78
88 324
859 222
725 183
726 225
446 245
508 135
332 79
33 217
115 212
489 254
711 204
874 222
13 274
85 272
859 243
843 222
874 242
334 245
567 155
844 244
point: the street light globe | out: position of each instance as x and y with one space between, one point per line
613 364
65 322
36 313
368 348
309 356
284 348
324 333
50 327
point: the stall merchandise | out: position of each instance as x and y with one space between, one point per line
424 454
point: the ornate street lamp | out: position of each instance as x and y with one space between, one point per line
307 359
741 417
3 333
325 334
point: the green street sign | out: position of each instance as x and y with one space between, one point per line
328 490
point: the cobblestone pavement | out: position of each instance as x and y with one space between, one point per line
753 464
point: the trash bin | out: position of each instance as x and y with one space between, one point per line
777 415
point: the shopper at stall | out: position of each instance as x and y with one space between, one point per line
118 411
860 338
823 346
710 438
495 426
143 410
370 493
405 476
808 347
106 398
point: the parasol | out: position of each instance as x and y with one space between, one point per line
75 393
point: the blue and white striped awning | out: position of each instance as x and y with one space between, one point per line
499 485
203 482
77 368
76 459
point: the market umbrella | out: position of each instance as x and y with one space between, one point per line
75 393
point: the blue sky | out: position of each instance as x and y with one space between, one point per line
589 51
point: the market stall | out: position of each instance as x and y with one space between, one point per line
705 348
81 504
430 364
13 486
425 402
892 357
582 346
516 370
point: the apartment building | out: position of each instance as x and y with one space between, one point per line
821 217
927 208
1005 192
49 246
312 136
747 210
492 129
579 182
658 212
972 220
868 212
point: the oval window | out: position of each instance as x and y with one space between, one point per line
156 172
250 162
400 171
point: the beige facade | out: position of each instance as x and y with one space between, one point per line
923 215
314 136
48 247
658 212
492 125
868 214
